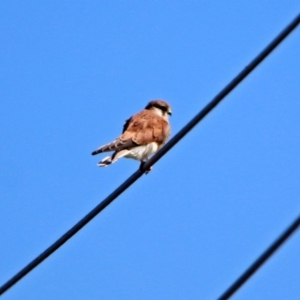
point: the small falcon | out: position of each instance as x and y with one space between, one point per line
143 134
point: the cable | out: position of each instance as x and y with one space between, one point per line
261 260
208 108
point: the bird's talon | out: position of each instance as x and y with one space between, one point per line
148 170
142 166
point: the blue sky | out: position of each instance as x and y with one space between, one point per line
72 72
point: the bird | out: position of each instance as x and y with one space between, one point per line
143 134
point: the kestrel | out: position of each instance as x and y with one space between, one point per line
143 134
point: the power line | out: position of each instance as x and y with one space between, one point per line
207 109
261 260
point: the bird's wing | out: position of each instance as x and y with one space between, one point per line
141 129
146 127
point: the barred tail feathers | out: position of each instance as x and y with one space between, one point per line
106 148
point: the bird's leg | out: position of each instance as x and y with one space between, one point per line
142 165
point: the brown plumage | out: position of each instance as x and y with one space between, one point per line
143 134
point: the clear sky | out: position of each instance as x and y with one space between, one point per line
72 72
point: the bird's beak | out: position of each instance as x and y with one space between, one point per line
169 113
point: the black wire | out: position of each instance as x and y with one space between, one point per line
261 260
211 105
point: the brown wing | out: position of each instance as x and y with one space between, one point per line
145 127
141 129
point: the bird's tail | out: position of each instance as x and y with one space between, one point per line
116 145
111 159
105 161
105 148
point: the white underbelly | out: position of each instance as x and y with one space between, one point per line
142 152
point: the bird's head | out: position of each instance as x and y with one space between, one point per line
160 107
